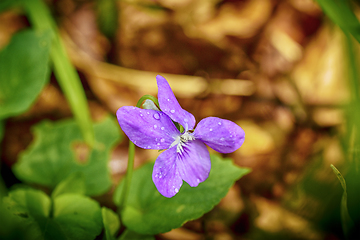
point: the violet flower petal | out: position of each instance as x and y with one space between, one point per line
169 105
147 128
221 135
166 176
194 163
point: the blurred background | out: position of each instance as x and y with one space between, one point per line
277 68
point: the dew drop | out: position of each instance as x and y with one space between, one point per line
162 140
230 135
168 100
197 180
172 111
158 144
210 129
160 176
222 139
162 128
147 112
133 108
176 190
149 146
141 115
156 116
155 126
219 123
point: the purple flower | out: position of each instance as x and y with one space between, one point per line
186 156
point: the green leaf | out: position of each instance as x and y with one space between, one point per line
27 203
148 212
346 221
24 71
74 183
340 12
128 234
59 150
111 223
72 217
79 217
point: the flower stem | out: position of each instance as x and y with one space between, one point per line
143 98
129 172
131 156
66 75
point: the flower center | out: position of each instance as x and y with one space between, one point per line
180 141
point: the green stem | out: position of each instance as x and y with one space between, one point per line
65 73
129 172
152 98
130 166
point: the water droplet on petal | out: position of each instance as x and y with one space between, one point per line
162 140
176 190
156 116
158 144
149 146
222 139
219 123
172 111
162 128
210 129
147 112
160 176
133 108
197 180
155 126
141 115
230 135
168 100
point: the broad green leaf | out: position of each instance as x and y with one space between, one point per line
341 13
148 212
79 217
111 223
74 183
11 227
128 234
24 71
33 209
30 202
346 221
69 216
59 150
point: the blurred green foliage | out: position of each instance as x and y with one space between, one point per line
111 223
68 216
341 13
107 17
24 71
59 150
